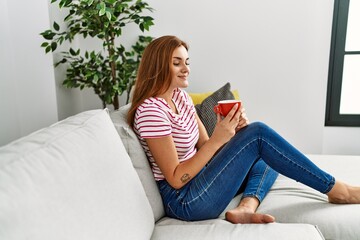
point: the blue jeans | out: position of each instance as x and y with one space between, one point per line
248 163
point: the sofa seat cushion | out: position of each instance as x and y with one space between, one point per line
224 231
72 180
292 202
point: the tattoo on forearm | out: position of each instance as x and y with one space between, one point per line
185 178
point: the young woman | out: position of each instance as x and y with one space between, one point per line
198 175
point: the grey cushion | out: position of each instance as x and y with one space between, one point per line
139 160
205 110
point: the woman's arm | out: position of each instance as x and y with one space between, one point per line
203 136
178 174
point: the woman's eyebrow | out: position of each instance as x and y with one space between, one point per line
179 58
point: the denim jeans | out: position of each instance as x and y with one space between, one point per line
249 162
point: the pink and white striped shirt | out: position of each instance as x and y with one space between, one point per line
154 119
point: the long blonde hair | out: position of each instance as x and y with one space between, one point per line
154 76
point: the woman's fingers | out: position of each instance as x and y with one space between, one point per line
233 114
218 117
243 121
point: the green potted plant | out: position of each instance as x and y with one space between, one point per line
109 72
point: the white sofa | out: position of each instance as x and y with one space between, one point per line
75 180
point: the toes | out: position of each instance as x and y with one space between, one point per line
267 218
262 218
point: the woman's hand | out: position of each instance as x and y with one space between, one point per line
225 128
243 121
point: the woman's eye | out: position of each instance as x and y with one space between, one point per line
177 63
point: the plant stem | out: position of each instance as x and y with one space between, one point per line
110 44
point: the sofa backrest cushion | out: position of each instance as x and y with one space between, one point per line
139 160
72 180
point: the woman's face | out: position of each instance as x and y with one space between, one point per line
180 68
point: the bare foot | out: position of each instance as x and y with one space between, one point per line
343 193
244 215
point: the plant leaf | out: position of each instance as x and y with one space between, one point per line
56 26
96 78
108 15
53 46
102 12
48 49
72 52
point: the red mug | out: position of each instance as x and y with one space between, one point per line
223 107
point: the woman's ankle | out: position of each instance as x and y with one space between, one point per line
250 203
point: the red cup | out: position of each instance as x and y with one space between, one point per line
223 107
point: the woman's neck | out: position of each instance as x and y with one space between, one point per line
168 98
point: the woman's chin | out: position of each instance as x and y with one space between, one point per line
185 84
182 83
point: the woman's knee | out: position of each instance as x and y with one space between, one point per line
254 130
258 127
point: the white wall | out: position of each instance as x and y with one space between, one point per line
27 92
275 53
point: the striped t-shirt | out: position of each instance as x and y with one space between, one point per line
154 119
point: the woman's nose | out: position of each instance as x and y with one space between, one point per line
185 69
